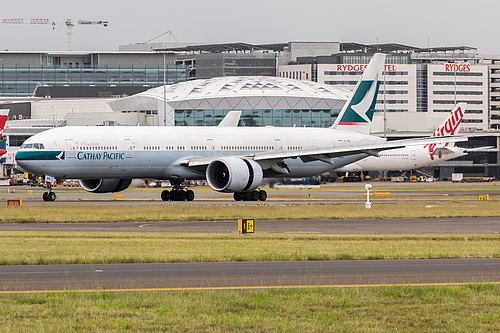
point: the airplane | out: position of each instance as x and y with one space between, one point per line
232 159
3 119
414 156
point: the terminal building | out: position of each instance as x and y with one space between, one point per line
263 100
284 84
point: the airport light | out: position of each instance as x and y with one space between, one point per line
368 203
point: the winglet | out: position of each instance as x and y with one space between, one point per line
357 113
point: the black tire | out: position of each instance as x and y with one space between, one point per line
254 195
174 195
181 195
262 195
247 196
52 196
45 196
189 195
238 196
165 195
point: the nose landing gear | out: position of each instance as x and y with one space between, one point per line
49 195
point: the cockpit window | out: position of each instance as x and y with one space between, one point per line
33 145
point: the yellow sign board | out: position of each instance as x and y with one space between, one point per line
246 226
484 197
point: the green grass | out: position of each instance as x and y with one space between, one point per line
474 308
193 212
40 248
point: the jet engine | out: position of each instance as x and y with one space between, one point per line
234 174
105 185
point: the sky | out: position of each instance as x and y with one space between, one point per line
437 23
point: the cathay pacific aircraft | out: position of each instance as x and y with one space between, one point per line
416 156
232 159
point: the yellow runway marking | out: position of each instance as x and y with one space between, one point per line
438 284
145 225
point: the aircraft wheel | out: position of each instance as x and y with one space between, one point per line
165 195
247 196
189 195
45 196
174 195
181 195
52 196
254 195
238 196
262 195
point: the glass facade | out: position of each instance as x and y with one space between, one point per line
258 117
22 80
235 64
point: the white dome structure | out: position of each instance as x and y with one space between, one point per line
263 100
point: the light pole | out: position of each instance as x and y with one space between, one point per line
368 203
164 88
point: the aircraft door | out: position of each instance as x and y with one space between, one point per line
413 155
211 146
278 145
129 152
71 147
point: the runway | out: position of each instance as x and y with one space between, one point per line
251 275
465 226
246 275
341 193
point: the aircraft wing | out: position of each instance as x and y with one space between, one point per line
325 154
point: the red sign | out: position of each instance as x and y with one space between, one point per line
457 67
361 68
14 203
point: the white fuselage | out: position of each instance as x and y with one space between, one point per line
157 152
407 158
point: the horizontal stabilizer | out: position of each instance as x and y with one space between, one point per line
231 119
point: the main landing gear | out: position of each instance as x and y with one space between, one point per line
251 196
49 195
177 193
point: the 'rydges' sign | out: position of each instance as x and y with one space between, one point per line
457 67
361 68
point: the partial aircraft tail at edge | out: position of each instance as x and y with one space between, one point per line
3 119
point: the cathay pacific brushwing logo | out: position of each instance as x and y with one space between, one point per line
60 156
362 107
362 104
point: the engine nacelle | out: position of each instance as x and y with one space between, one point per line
105 185
234 174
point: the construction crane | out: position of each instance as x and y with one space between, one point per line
68 23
